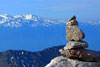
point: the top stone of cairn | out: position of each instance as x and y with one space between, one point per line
72 21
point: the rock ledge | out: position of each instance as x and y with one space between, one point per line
65 62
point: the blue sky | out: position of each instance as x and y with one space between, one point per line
86 10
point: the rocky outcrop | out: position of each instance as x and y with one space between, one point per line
65 62
74 53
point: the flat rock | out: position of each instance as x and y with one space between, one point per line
74 33
65 62
76 44
81 54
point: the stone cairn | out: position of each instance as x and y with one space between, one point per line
75 49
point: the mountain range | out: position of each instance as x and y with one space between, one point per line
34 33
22 58
29 19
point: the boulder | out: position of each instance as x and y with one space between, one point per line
65 62
76 44
74 33
81 54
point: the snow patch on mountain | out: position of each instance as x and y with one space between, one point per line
94 23
29 19
32 20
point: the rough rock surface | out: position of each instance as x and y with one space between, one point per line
76 44
74 33
65 62
81 54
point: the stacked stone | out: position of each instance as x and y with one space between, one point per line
75 49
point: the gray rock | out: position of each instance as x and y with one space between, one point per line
65 62
81 54
74 33
76 44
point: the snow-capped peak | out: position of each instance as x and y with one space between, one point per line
29 19
5 16
18 16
